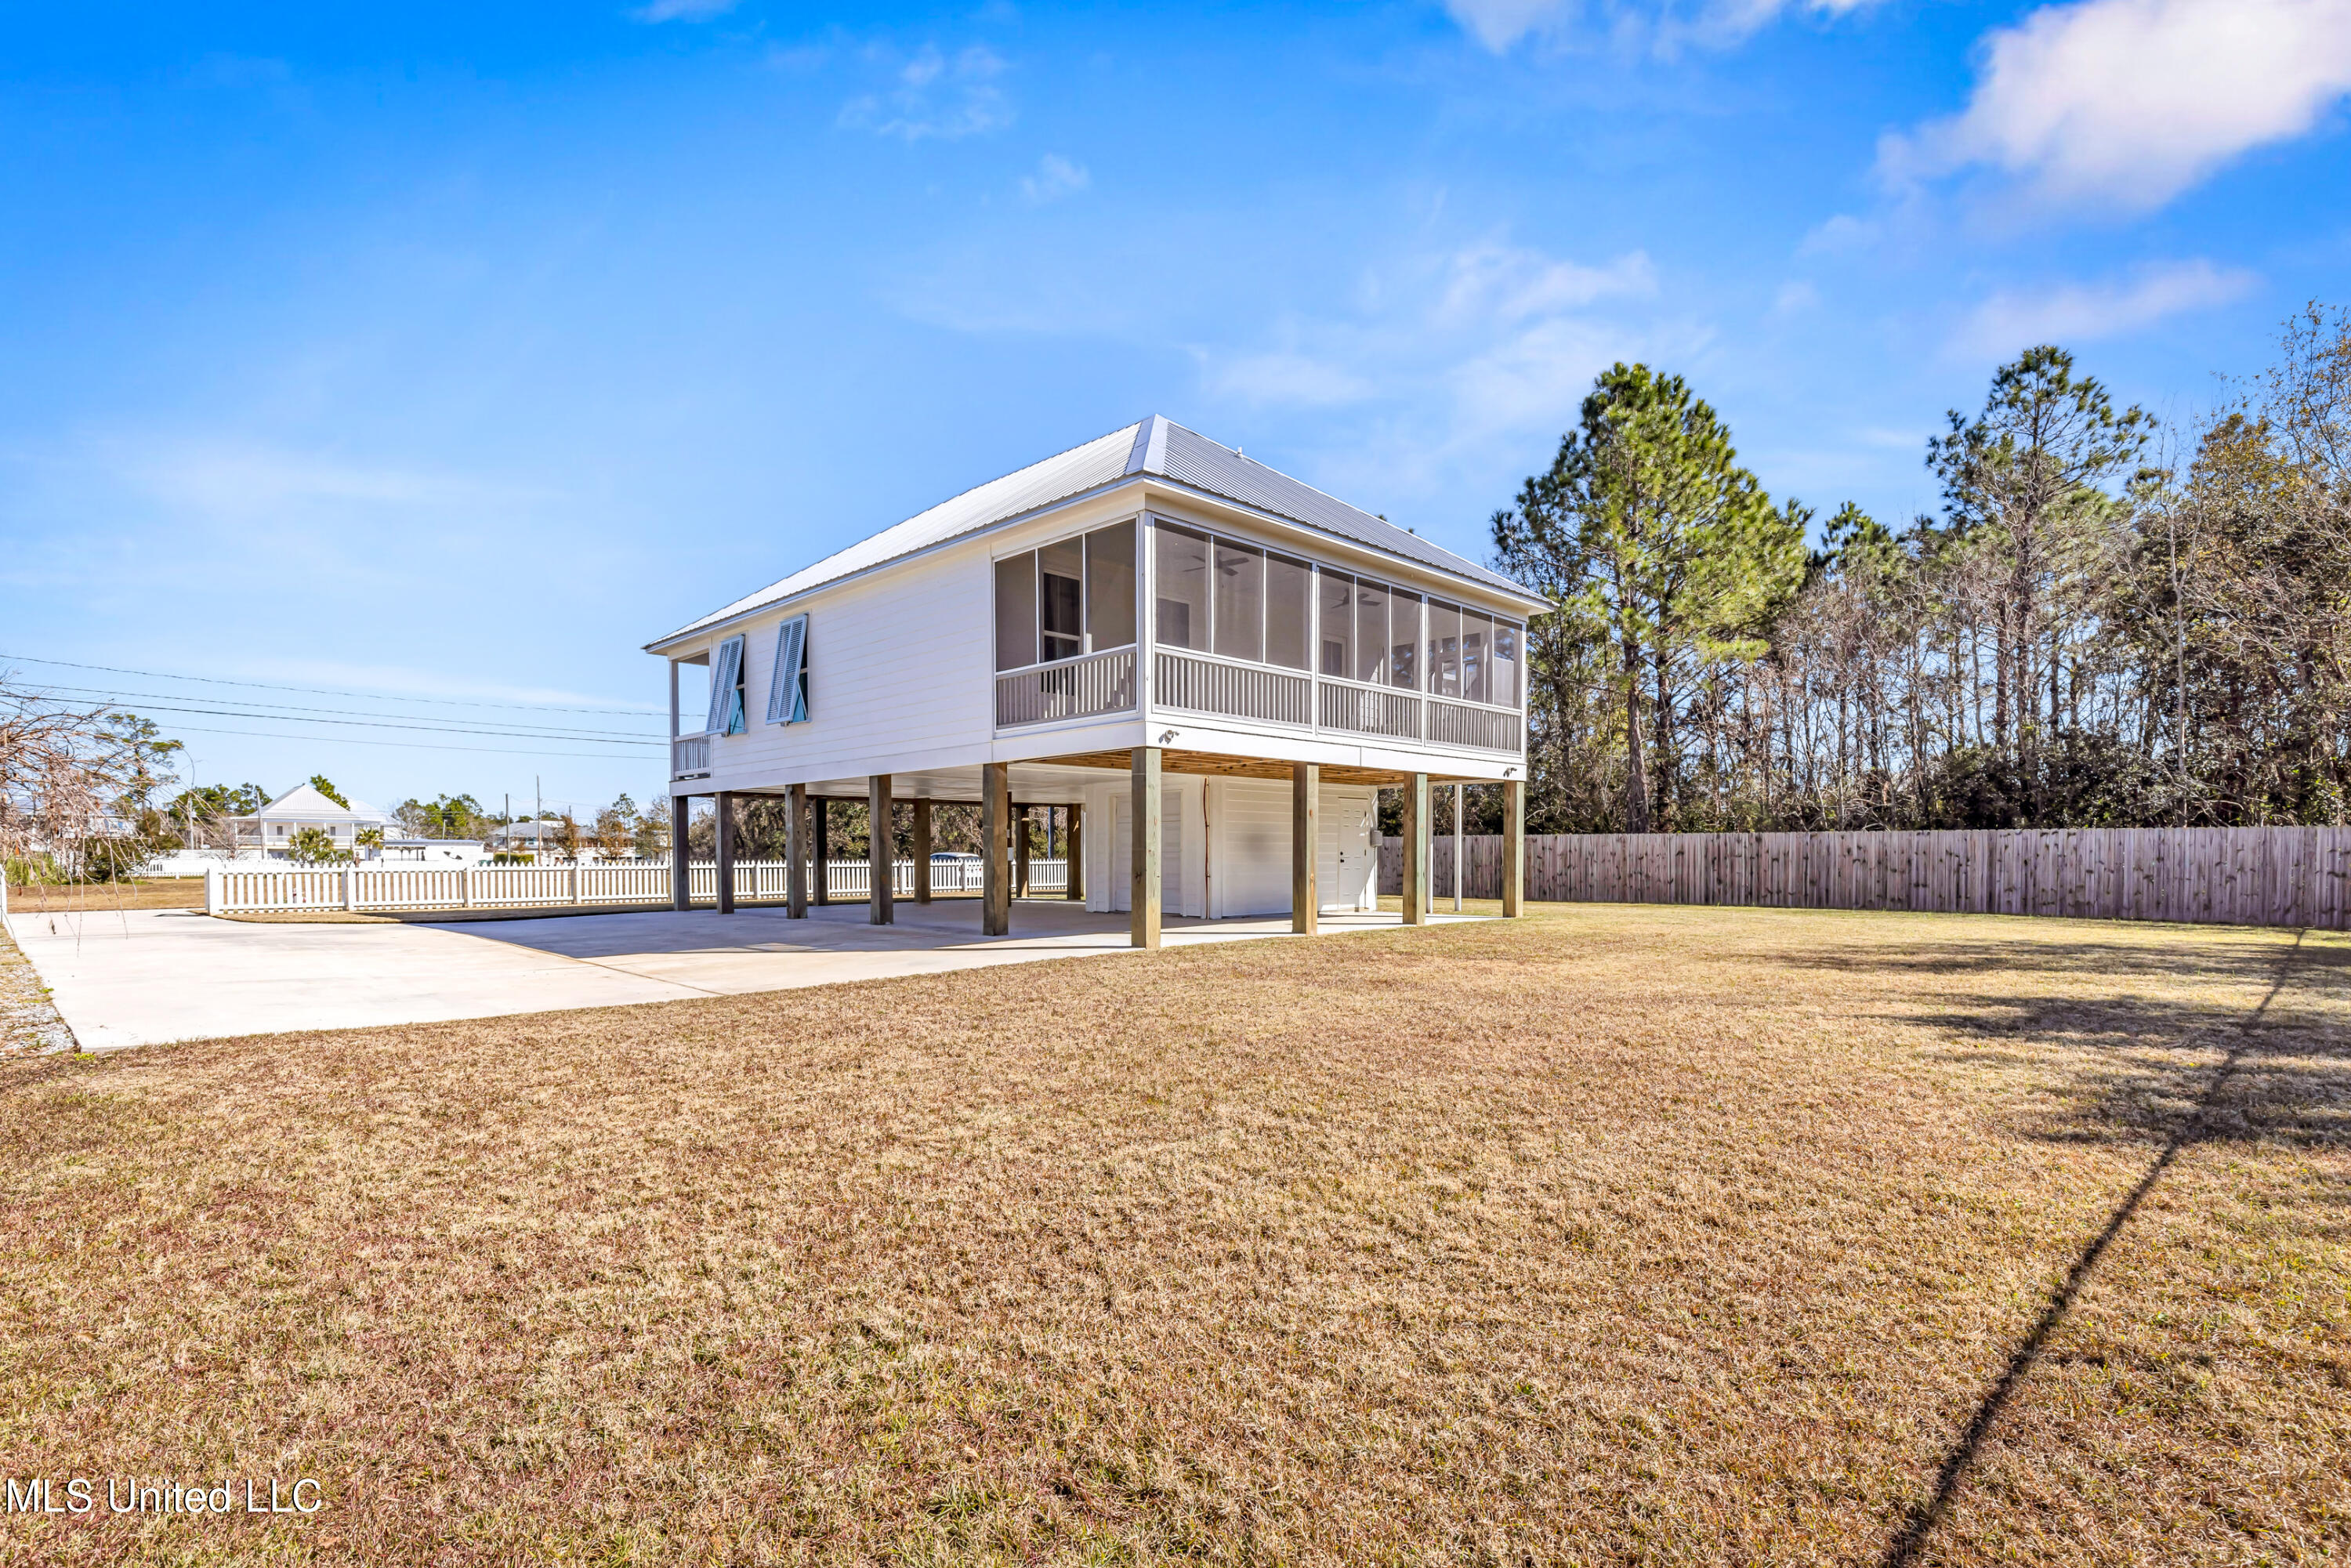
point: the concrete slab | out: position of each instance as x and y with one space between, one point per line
142 977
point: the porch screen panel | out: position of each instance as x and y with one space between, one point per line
1288 584
1110 587
1015 611
1061 599
725 680
1403 641
1240 602
1477 645
1339 625
1181 618
1371 632
1444 649
1504 664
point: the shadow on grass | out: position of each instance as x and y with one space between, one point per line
2207 1121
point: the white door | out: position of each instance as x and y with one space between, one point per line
1343 861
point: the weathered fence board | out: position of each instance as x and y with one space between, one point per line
2231 876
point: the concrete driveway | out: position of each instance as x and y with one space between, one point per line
141 976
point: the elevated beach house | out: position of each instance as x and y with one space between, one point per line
1210 667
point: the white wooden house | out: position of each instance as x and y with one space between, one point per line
1187 652
269 833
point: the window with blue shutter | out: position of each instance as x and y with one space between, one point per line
726 715
788 690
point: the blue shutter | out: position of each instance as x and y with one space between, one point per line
787 689
726 670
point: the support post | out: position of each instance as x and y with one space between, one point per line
681 874
796 843
880 852
1024 849
1514 848
995 833
1146 896
1458 843
820 846
1305 823
1074 881
923 850
726 867
1416 849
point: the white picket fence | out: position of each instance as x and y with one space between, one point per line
239 890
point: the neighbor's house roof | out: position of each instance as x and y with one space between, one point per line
304 803
1156 447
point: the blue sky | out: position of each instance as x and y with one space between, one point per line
453 352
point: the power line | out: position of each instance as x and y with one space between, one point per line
393 724
325 691
411 744
291 713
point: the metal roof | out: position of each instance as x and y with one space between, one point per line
1157 447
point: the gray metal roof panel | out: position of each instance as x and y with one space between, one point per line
1156 447
1193 459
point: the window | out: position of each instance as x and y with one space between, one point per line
1061 599
1015 611
1403 641
1339 625
788 687
1288 589
1182 591
1071 597
1477 636
1239 607
726 715
1444 649
1371 632
1505 664
1110 588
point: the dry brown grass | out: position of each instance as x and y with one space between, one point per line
1618 1235
161 893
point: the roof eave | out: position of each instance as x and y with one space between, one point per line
1513 593
698 629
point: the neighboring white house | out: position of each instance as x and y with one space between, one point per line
1148 618
433 851
534 838
268 831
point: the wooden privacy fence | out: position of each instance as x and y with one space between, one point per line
2231 876
252 890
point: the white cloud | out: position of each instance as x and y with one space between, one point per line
1511 284
2126 103
1451 362
682 10
1055 177
1501 24
935 95
1795 298
2078 312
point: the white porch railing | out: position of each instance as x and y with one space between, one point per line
1369 710
689 756
1187 682
1464 724
239 890
1070 688
1233 689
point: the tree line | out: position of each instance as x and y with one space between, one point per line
2105 623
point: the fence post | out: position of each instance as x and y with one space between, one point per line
575 881
211 890
350 889
466 888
